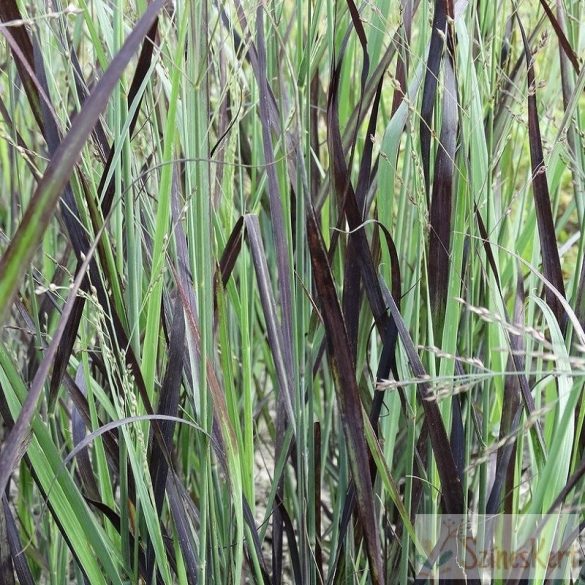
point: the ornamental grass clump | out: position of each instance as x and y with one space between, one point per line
286 286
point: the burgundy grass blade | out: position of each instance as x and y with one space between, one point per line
430 88
341 363
403 55
274 333
276 211
184 533
168 405
17 552
24 58
442 198
563 41
78 430
546 227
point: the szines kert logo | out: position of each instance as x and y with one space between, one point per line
524 546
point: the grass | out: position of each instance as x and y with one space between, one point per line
277 278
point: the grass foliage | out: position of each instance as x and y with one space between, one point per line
276 277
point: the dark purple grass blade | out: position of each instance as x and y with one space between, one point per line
442 198
387 363
292 542
9 12
512 396
249 518
78 428
512 392
19 561
361 33
184 533
314 173
352 276
403 51
276 212
430 89
346 194
6 568
458 433
363 39
229 257
168 405
269 309
99 134
486 244
546 228
562 38
351 294
318 500
66 347
341 363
